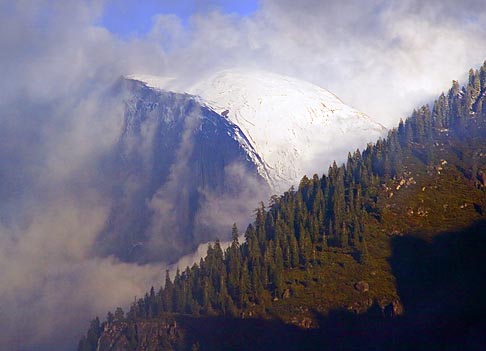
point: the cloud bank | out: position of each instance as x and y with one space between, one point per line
55 122
382 57
56 119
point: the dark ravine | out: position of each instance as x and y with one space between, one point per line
383 253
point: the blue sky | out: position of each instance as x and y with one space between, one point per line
134 17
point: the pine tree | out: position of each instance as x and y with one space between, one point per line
305 248
167 295
245 284
278 279
294 252
473 89
364 255
439 113
234 260
482 76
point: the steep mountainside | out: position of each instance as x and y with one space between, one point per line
383 253
172 159
294 126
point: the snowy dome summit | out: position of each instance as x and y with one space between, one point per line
295 127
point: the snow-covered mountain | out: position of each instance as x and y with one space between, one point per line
288 127
194 159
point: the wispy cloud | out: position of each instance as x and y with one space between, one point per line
56 64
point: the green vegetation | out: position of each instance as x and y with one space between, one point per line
311 247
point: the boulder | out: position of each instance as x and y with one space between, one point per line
393 309
482 178
362 286
286 294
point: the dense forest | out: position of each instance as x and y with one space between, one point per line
338 215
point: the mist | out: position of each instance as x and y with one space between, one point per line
57 119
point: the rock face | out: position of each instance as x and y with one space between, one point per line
172 175
393 309
140 336
286 294
362 286
481 178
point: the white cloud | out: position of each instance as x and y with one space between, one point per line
383 57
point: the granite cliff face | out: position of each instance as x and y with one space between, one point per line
171 176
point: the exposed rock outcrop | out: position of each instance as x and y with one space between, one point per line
362 286
140 336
